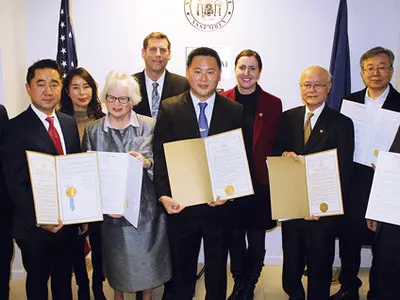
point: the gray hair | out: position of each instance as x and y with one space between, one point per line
123 80
374 52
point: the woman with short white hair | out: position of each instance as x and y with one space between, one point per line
134 259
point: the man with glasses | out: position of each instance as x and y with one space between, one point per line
304 130
156 83
376 71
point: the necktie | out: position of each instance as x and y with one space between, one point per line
203 124
54 135
155 100
307 127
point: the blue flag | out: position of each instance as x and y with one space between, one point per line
66 52
340 60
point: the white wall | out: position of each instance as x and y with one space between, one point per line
289 35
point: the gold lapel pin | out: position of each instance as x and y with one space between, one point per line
260 114
321 131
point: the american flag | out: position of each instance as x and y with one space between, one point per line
66 52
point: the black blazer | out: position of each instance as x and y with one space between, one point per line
26 132
173 85
177 120
5 203
332 130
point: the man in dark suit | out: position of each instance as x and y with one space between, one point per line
193 114
376 70
5 223
156 83
304 130
46 249
387 251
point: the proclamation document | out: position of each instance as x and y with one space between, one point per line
228 166
374 131
121 184
384 200
200 170
309 186
65 187
323 183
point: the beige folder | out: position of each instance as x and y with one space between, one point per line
290 192
190 175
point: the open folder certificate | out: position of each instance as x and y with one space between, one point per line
384 199
65 187
309 186
371 137
202 169
121 184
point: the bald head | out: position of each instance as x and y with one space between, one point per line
315 84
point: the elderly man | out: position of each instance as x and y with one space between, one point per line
46 249
376 71
197 113
156 83
307 129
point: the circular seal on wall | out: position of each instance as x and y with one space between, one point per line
208 15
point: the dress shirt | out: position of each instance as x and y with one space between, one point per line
149 87
42 116
132 122
316 115
209 109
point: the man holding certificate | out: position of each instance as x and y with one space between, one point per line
200 112
304 130
378 97
46 249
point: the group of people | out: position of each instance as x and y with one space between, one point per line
148 109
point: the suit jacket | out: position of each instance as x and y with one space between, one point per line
5 204
268 114
26 132
177 120
361 180
173 85
332 130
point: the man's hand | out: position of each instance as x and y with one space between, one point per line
115 216
170 205
371 224
52 228
217 202
83 228
146 162
312 218
290 154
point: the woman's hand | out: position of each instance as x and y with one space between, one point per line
115 216
145 161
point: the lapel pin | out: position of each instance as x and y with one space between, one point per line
260 114
321 131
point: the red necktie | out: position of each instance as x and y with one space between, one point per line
54 135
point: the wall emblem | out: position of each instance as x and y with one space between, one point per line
208 15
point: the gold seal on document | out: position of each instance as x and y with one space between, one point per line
323 207
229 190
127 203
376 152
71 192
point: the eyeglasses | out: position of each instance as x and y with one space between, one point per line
122 100
381 70
317 86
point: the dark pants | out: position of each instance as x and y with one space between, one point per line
387 262
79 264
314 242
45 258
6 254
186 230
351 240
247 260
